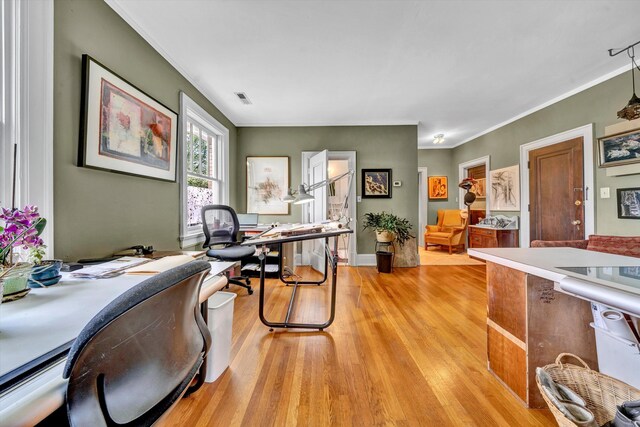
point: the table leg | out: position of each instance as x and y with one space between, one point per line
286 323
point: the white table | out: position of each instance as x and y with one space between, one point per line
548 262
535 308
49 318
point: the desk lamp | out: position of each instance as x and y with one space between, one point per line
302 196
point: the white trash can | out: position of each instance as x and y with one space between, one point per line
220 324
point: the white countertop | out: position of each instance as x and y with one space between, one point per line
546 263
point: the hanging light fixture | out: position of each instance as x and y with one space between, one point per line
632 110
439 138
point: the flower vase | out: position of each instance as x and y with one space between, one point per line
47 273
14 281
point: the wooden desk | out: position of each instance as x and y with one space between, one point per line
532 317
489 237
42 326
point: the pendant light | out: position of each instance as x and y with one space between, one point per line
632 110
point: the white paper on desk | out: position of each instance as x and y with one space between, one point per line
109 269
160 265
596 310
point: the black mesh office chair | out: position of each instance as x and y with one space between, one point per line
220 225
137 357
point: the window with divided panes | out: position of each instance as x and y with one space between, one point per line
204 182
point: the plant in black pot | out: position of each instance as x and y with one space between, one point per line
388 227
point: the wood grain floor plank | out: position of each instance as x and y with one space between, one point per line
406 349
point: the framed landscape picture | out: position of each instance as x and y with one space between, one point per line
123 129
267 184
629 203
620 149
376 183
438 188
505 189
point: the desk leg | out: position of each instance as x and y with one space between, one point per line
286 323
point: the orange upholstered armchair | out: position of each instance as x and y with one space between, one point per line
450 230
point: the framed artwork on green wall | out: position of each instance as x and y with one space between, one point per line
376 183
267 184
619 149
123 129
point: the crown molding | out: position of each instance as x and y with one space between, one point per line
565 95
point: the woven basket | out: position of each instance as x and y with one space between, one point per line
601 392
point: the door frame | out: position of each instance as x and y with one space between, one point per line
423 203
350 156
462 169
586 132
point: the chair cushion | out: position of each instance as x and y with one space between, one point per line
232 253
618 245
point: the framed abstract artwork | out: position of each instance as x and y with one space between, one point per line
628 203
620 149
376 183
438 188
480 188
505 189
267 184
122 129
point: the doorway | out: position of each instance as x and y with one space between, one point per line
556 191
337 163
478 169
423 201
587 205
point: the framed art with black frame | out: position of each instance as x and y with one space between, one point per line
376 183
629 203
122 129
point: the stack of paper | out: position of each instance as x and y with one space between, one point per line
109 269
160 265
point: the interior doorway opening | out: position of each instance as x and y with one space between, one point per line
423 204
338 162
477 169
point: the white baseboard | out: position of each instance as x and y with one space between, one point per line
366 260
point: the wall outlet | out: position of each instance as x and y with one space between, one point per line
605 193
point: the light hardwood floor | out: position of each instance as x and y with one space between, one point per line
406 349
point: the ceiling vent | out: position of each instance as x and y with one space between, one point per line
243 98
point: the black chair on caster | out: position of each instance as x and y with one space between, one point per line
220 225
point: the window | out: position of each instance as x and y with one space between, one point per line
205 167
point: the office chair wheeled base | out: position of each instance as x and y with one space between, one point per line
245 282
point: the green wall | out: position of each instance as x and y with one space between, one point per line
597 105
439 163
376 147
98 212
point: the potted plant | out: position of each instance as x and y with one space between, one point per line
388 227
45 272
21 229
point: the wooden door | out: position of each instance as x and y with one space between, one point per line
556 191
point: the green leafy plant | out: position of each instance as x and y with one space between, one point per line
383 221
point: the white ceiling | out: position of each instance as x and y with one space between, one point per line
453 67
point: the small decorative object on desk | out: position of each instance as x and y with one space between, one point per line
21 231
500 221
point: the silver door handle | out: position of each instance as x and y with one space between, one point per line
576 222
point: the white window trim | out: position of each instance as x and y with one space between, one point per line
27 91
192 236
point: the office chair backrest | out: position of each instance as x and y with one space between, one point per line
220 225
137 356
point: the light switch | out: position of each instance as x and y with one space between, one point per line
604 193
358 199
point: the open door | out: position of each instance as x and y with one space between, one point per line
317 210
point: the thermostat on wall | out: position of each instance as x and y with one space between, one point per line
397 183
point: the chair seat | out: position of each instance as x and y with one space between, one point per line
232 253
438 235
